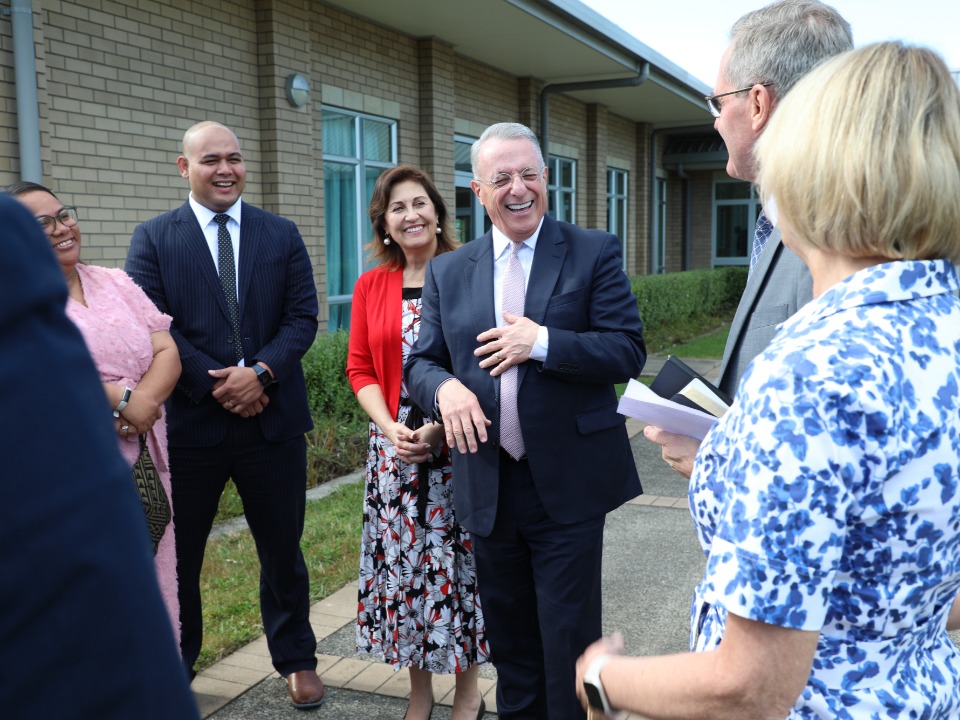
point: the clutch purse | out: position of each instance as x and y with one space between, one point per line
156 504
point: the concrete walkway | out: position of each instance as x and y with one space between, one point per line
651 563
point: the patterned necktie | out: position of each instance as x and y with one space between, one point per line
760 235
228 279
511 439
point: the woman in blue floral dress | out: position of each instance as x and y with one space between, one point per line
418 604
827 499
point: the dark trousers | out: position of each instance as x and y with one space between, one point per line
271 481
540 586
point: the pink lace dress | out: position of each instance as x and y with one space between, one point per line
116 324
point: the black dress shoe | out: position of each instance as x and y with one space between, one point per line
306 690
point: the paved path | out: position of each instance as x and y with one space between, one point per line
651 563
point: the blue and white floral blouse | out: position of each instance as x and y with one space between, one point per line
827 497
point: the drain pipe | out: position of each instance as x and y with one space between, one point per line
687 216
28 115
638 79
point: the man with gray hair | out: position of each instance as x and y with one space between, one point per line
523 334
770 50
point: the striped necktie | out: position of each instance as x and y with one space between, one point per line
514 291
228 279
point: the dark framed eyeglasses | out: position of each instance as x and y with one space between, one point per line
713 101
67 216
529 176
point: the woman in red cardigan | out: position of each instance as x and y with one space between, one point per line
418 603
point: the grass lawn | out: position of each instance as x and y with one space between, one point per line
706 346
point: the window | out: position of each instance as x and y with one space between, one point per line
356 149
561 189
617 208
472 219
735 210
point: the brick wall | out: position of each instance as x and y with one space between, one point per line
120 80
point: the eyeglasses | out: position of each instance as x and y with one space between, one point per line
67 216
713 101
528 175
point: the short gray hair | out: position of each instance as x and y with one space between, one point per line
502 131
783 41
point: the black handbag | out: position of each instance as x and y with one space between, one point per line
156 504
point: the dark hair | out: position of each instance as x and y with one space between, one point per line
25 186
392 255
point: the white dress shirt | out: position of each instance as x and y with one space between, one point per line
501 256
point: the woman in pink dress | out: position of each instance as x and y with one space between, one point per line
133 350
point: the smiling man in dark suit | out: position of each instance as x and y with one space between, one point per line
523 334
238 283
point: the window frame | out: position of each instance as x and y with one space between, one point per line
360 165
753 206
618 207
557 191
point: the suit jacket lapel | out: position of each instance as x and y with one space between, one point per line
192 236
251 223
478 291
478 283
755 283
547 262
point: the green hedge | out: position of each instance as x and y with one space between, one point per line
337 444
672 303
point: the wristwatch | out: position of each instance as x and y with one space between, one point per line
593 688
263 375
124 401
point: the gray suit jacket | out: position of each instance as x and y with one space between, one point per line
779 285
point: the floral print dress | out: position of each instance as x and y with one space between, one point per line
418 604
826 499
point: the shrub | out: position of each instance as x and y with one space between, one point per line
337 444
671 304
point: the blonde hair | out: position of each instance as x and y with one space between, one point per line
863 156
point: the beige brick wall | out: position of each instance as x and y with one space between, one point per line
484 95
702 220
120 80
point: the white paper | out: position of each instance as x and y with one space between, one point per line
698 392
642 403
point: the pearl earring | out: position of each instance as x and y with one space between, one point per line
439 230
386 239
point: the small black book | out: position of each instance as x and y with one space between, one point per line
680 383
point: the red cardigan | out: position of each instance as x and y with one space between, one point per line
375 355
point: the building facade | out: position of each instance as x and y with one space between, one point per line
325 95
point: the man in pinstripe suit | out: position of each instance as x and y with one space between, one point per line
238 283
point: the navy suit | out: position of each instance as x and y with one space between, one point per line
83 630
264 455
538 523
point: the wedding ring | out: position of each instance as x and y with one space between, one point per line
497 356
229 403
124 427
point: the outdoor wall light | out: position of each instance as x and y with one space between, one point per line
297 90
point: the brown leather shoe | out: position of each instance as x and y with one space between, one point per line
306 690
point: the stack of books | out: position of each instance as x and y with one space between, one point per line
679 400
